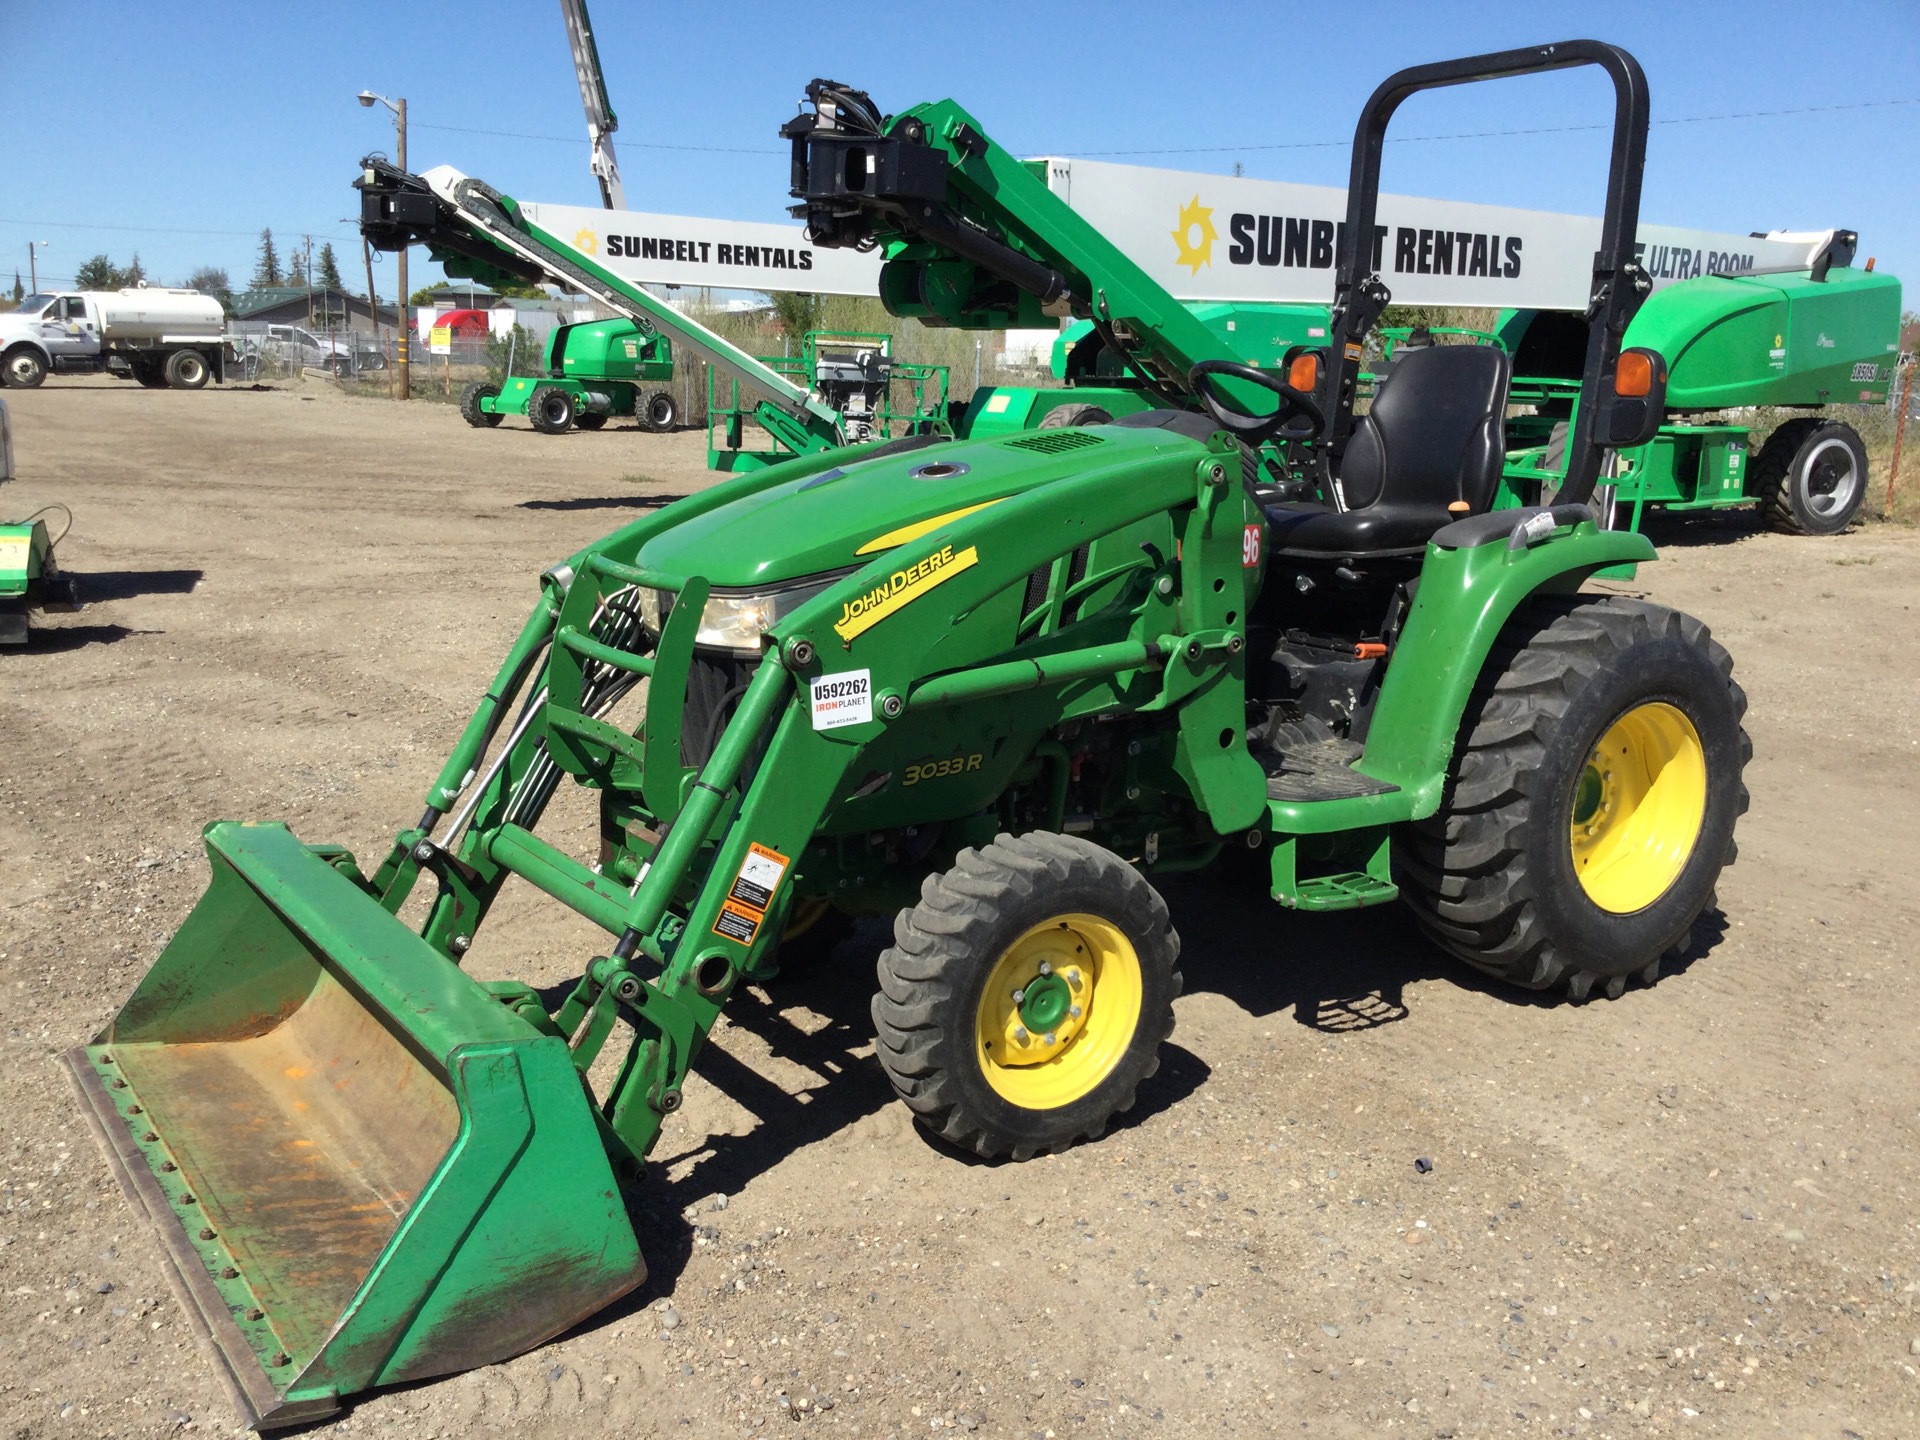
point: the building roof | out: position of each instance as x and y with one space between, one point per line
268 297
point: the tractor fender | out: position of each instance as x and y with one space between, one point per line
1477 573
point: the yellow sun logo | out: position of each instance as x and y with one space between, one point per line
1192 252
586 240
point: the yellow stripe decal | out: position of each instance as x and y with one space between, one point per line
901 589
917 529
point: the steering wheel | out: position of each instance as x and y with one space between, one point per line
1298 418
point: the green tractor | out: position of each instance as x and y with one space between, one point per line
992 687
593 372
30 577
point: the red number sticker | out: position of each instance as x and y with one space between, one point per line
1250 548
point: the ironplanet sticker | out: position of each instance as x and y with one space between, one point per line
901 589
744 910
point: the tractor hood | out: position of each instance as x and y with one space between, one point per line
843 518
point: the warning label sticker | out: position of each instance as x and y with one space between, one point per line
759 877
744 910
737 924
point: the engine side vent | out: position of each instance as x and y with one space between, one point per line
1054 442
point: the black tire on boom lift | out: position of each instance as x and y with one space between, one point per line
470 410
551 409
1062 416
1811 476
589 420
658 412
1592 799
1025 997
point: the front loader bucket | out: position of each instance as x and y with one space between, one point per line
362 1168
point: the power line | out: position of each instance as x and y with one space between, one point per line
575 140
138 229
1486 134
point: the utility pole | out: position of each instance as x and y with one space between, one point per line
406 322
404 336
373 303
33 270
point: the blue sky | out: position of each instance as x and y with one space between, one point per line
181 130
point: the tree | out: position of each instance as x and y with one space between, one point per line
96 273
296 270
134 274
19 290
266 270
209 280
327 271
796 312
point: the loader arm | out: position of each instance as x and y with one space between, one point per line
474 229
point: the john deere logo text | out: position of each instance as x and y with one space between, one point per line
901 589
1193 237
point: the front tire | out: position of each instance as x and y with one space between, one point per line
1592 800
1026 996
23 368
470 410
551 410
1811 477
188 370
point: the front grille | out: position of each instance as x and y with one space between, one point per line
1054 442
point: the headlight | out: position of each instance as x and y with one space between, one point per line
734 620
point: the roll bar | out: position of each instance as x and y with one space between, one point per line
1619 283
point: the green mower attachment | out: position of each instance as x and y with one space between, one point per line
30 577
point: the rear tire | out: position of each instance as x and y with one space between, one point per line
470 410
188 370
551 410
1592 800
1811 477
973 1062
587 420
1062 416
659 413
147 372
22 368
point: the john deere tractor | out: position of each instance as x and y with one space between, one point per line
992 687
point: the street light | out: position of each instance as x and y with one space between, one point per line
367 98
33 268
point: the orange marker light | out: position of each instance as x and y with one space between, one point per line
1633 376
1304 372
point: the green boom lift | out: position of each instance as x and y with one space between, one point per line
476 232
993 685
591 372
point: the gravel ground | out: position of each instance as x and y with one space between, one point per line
1688 1212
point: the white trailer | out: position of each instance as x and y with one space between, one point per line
152 334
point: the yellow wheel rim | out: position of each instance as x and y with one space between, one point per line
1059 1010
804 915
1637 808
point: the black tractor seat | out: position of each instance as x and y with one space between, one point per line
1434 438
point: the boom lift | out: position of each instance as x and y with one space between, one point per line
601 121
993 685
